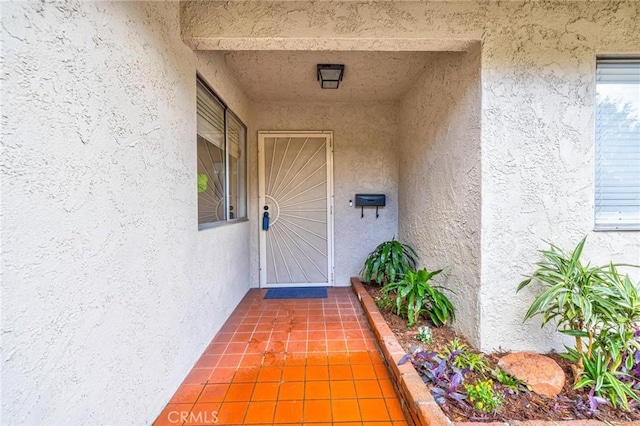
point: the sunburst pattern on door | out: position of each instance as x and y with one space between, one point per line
294 189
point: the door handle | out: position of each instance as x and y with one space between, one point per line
265 219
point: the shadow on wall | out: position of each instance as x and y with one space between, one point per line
439 181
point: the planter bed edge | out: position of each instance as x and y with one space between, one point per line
415 397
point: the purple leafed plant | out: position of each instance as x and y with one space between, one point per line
594 400
439 372
454 354
441 394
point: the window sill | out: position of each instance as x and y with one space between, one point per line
213 225
620 228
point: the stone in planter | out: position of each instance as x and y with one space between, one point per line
543 374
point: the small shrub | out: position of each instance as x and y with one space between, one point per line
439 307
414 292
425 335
483 396
631 363
384 302
461 357
388 262
455 345
508 381
388 303
569 294
472 361
605 384
600 308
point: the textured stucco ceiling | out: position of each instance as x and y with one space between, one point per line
291 75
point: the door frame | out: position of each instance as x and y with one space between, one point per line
328 134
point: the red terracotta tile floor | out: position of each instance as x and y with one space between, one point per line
289 362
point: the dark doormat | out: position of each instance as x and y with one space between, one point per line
296 293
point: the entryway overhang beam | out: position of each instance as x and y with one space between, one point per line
331 44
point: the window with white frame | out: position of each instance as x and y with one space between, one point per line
617 160
221 141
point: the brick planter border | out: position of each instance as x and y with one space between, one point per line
416 399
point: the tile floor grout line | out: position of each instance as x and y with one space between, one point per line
196 401
336 313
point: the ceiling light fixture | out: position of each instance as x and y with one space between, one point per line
330 75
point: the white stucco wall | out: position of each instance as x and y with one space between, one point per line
439 178
537 82
364 161
109 292
538 150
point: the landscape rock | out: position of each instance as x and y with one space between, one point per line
542 373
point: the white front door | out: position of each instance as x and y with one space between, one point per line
296 193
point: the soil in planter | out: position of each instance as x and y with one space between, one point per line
568 405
